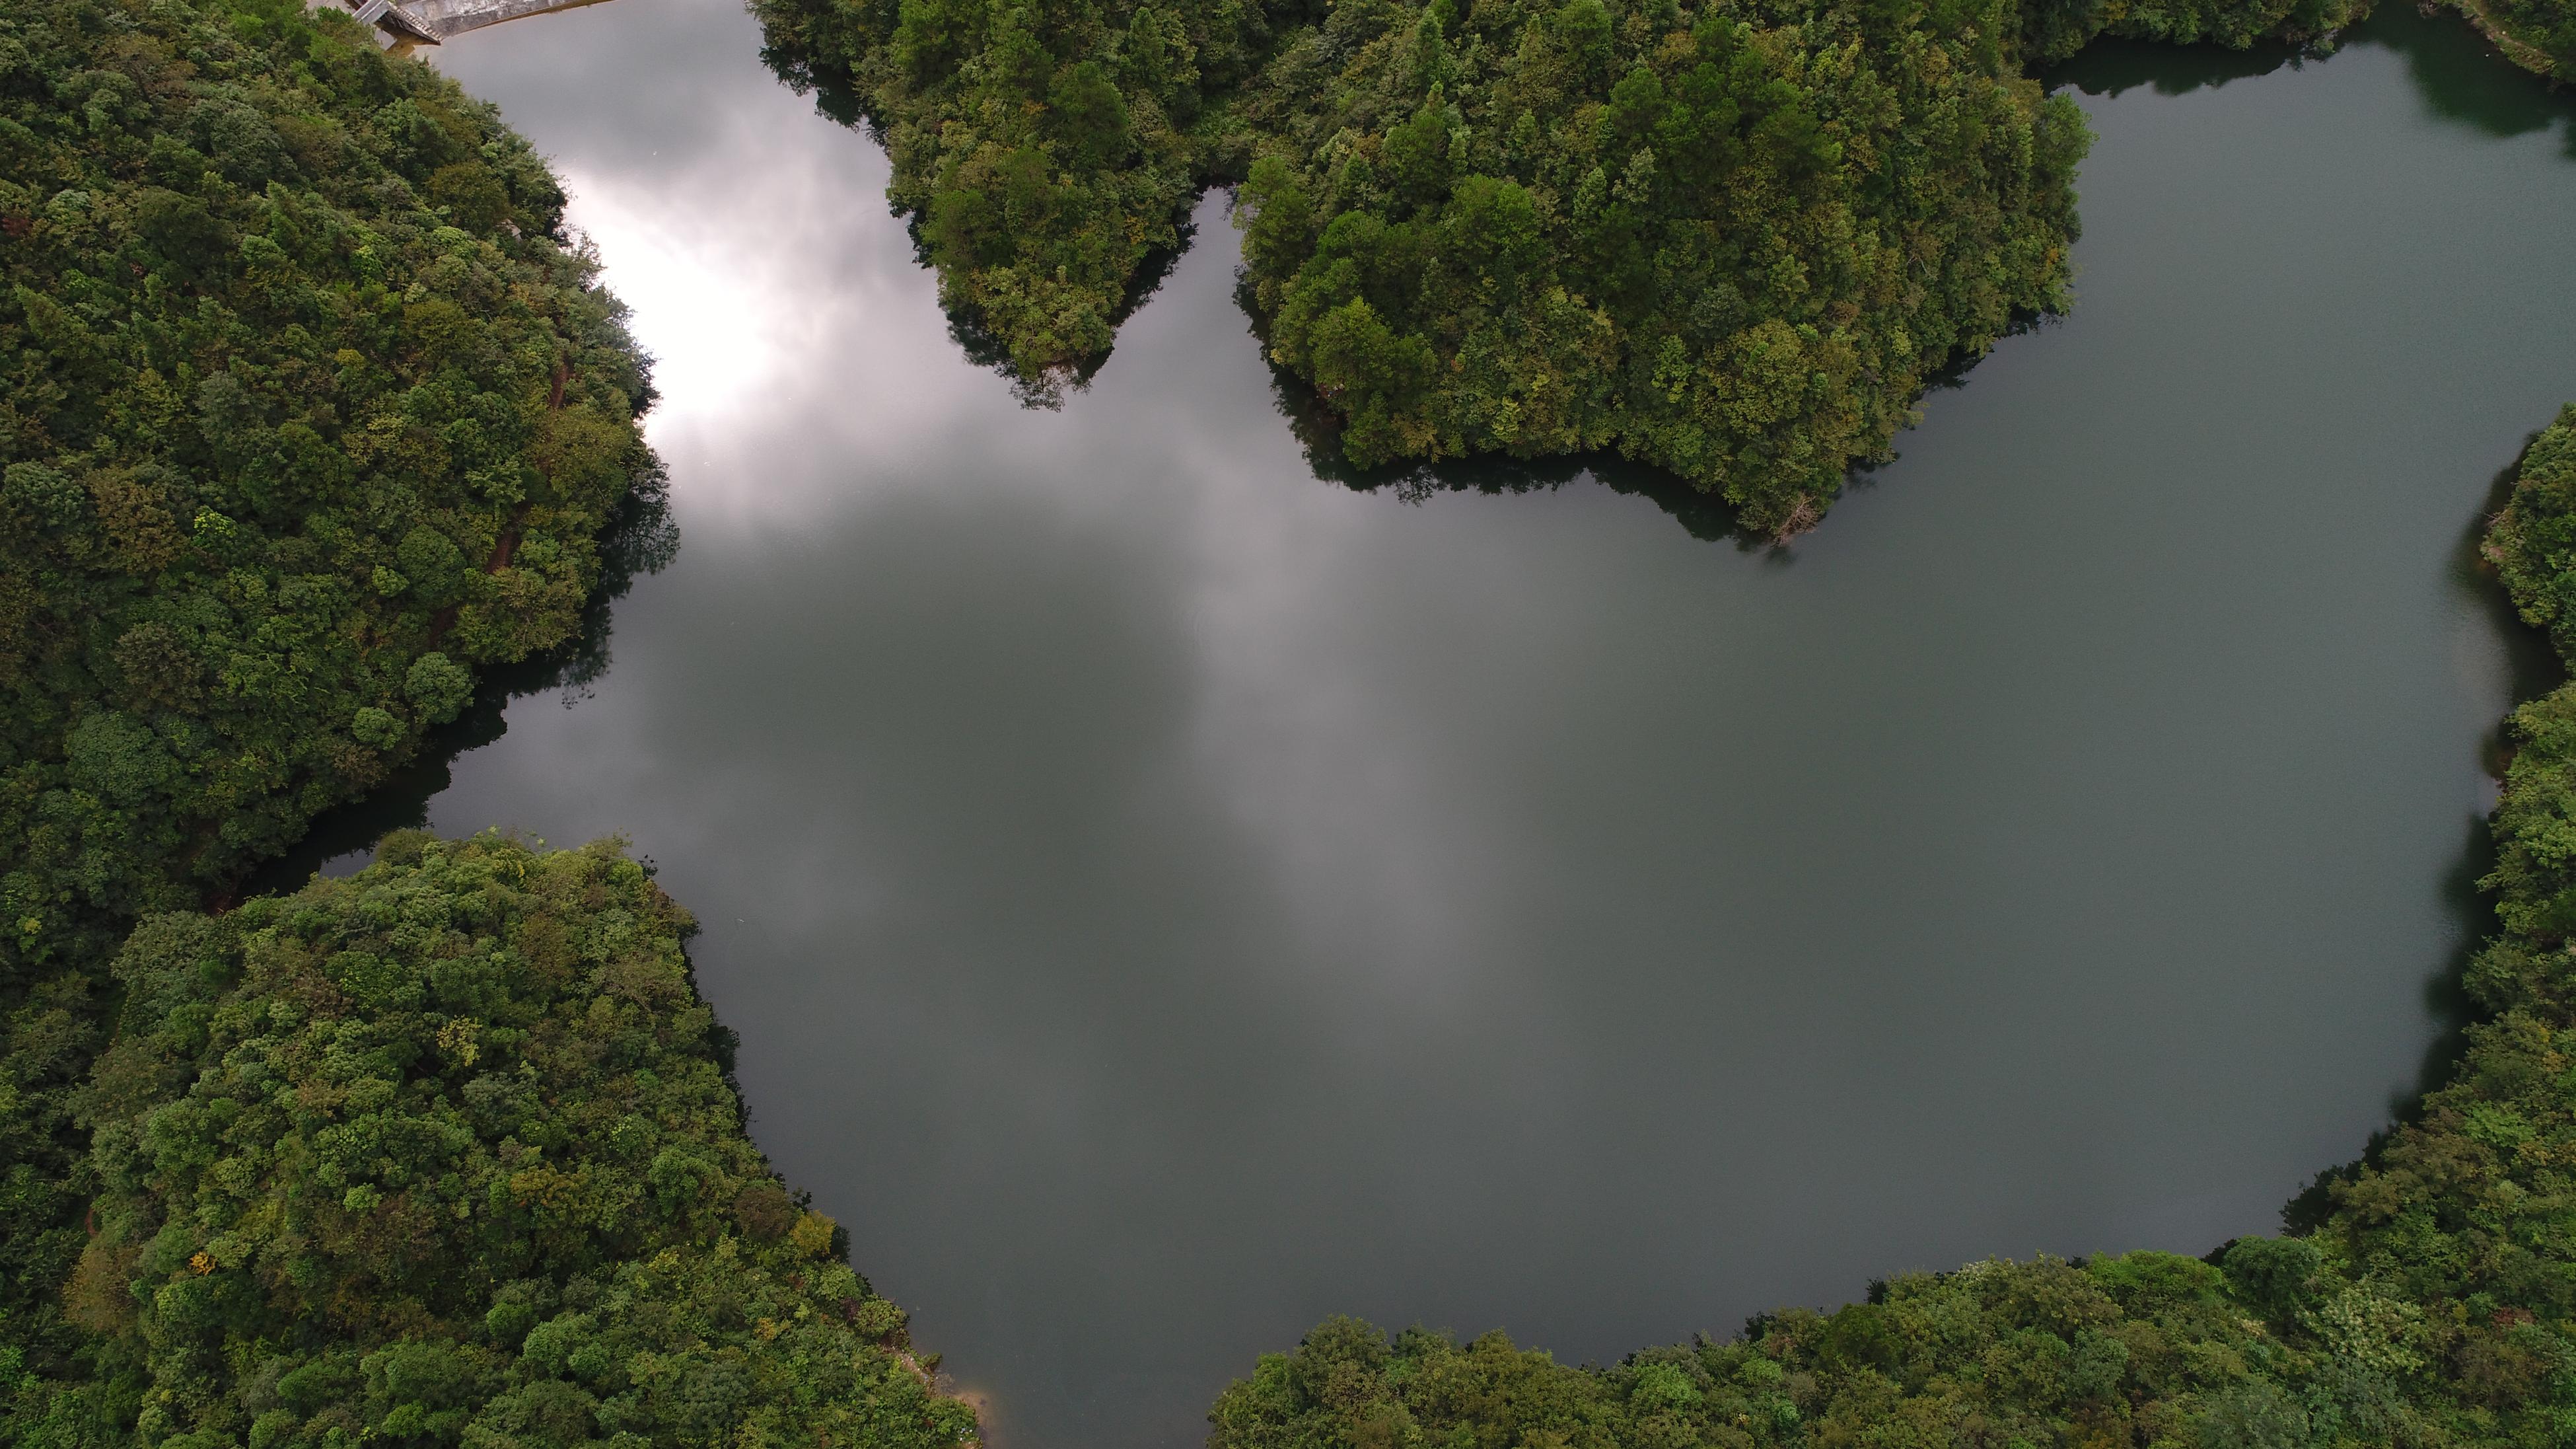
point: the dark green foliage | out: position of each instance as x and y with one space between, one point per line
306 411
47 1040
2052 30
2533 543
2431 1301
1048 149
1733 239
2145 1349
441 1154
1732 243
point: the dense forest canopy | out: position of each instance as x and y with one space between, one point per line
1733 239
2426 1297
2142 1349
446 1152
309 410
1733 250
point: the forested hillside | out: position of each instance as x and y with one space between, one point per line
307 410
1732 240
2427 1296
445 1152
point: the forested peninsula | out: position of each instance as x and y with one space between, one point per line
446 1152
312 413
1732 240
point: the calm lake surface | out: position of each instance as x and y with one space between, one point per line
1167 897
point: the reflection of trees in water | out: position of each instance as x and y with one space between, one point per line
2532 669
2462 77
2456 72
641 539
2459 76
2109 67
1702 515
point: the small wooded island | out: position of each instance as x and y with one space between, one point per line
314 416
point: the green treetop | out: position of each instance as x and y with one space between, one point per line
446 1153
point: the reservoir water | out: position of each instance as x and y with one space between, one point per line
1166 896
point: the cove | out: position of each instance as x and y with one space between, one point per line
1165 897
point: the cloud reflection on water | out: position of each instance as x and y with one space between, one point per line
1166 897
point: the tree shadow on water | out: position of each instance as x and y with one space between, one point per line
2461 76
2457 72
2532 669
2110 67
642 538
1703 516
